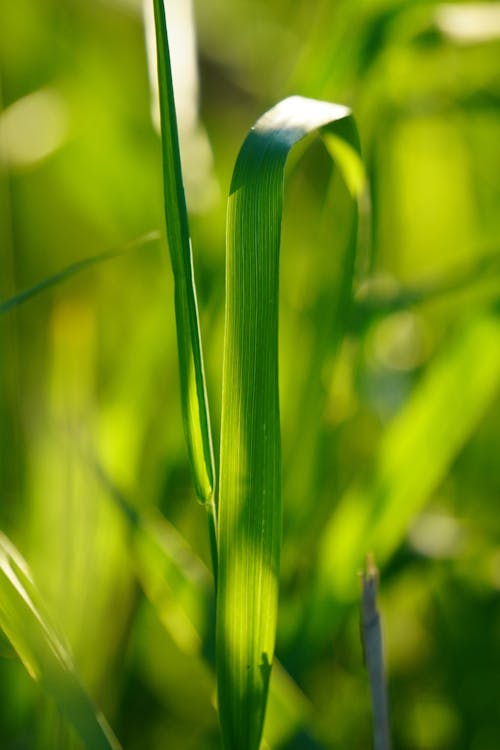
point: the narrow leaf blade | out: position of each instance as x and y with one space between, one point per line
193 390
42 650
10 303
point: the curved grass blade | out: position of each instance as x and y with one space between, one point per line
250 462
193 391
42 650
72 270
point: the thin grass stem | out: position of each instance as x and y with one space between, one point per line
371 630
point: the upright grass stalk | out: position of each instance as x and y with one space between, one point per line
371 630
250 457
246 544
193 390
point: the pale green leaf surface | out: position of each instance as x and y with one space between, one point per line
42 650
193 391
415 455
250 463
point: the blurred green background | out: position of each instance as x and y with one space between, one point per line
390 405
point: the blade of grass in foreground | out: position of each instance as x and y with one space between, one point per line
42 651
193 391
250 462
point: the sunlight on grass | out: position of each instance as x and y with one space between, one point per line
371 424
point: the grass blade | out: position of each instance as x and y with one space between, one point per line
415 455
250 463
42 651
72 270
193 391
371 632
374 302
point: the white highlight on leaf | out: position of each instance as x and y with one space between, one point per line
296 116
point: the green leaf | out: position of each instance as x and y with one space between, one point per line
42 650
250 460
193 391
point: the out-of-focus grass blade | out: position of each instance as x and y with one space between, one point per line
175 580
288 709
250 461
41 649
71 270
375 300
423 440
194 399
415 455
